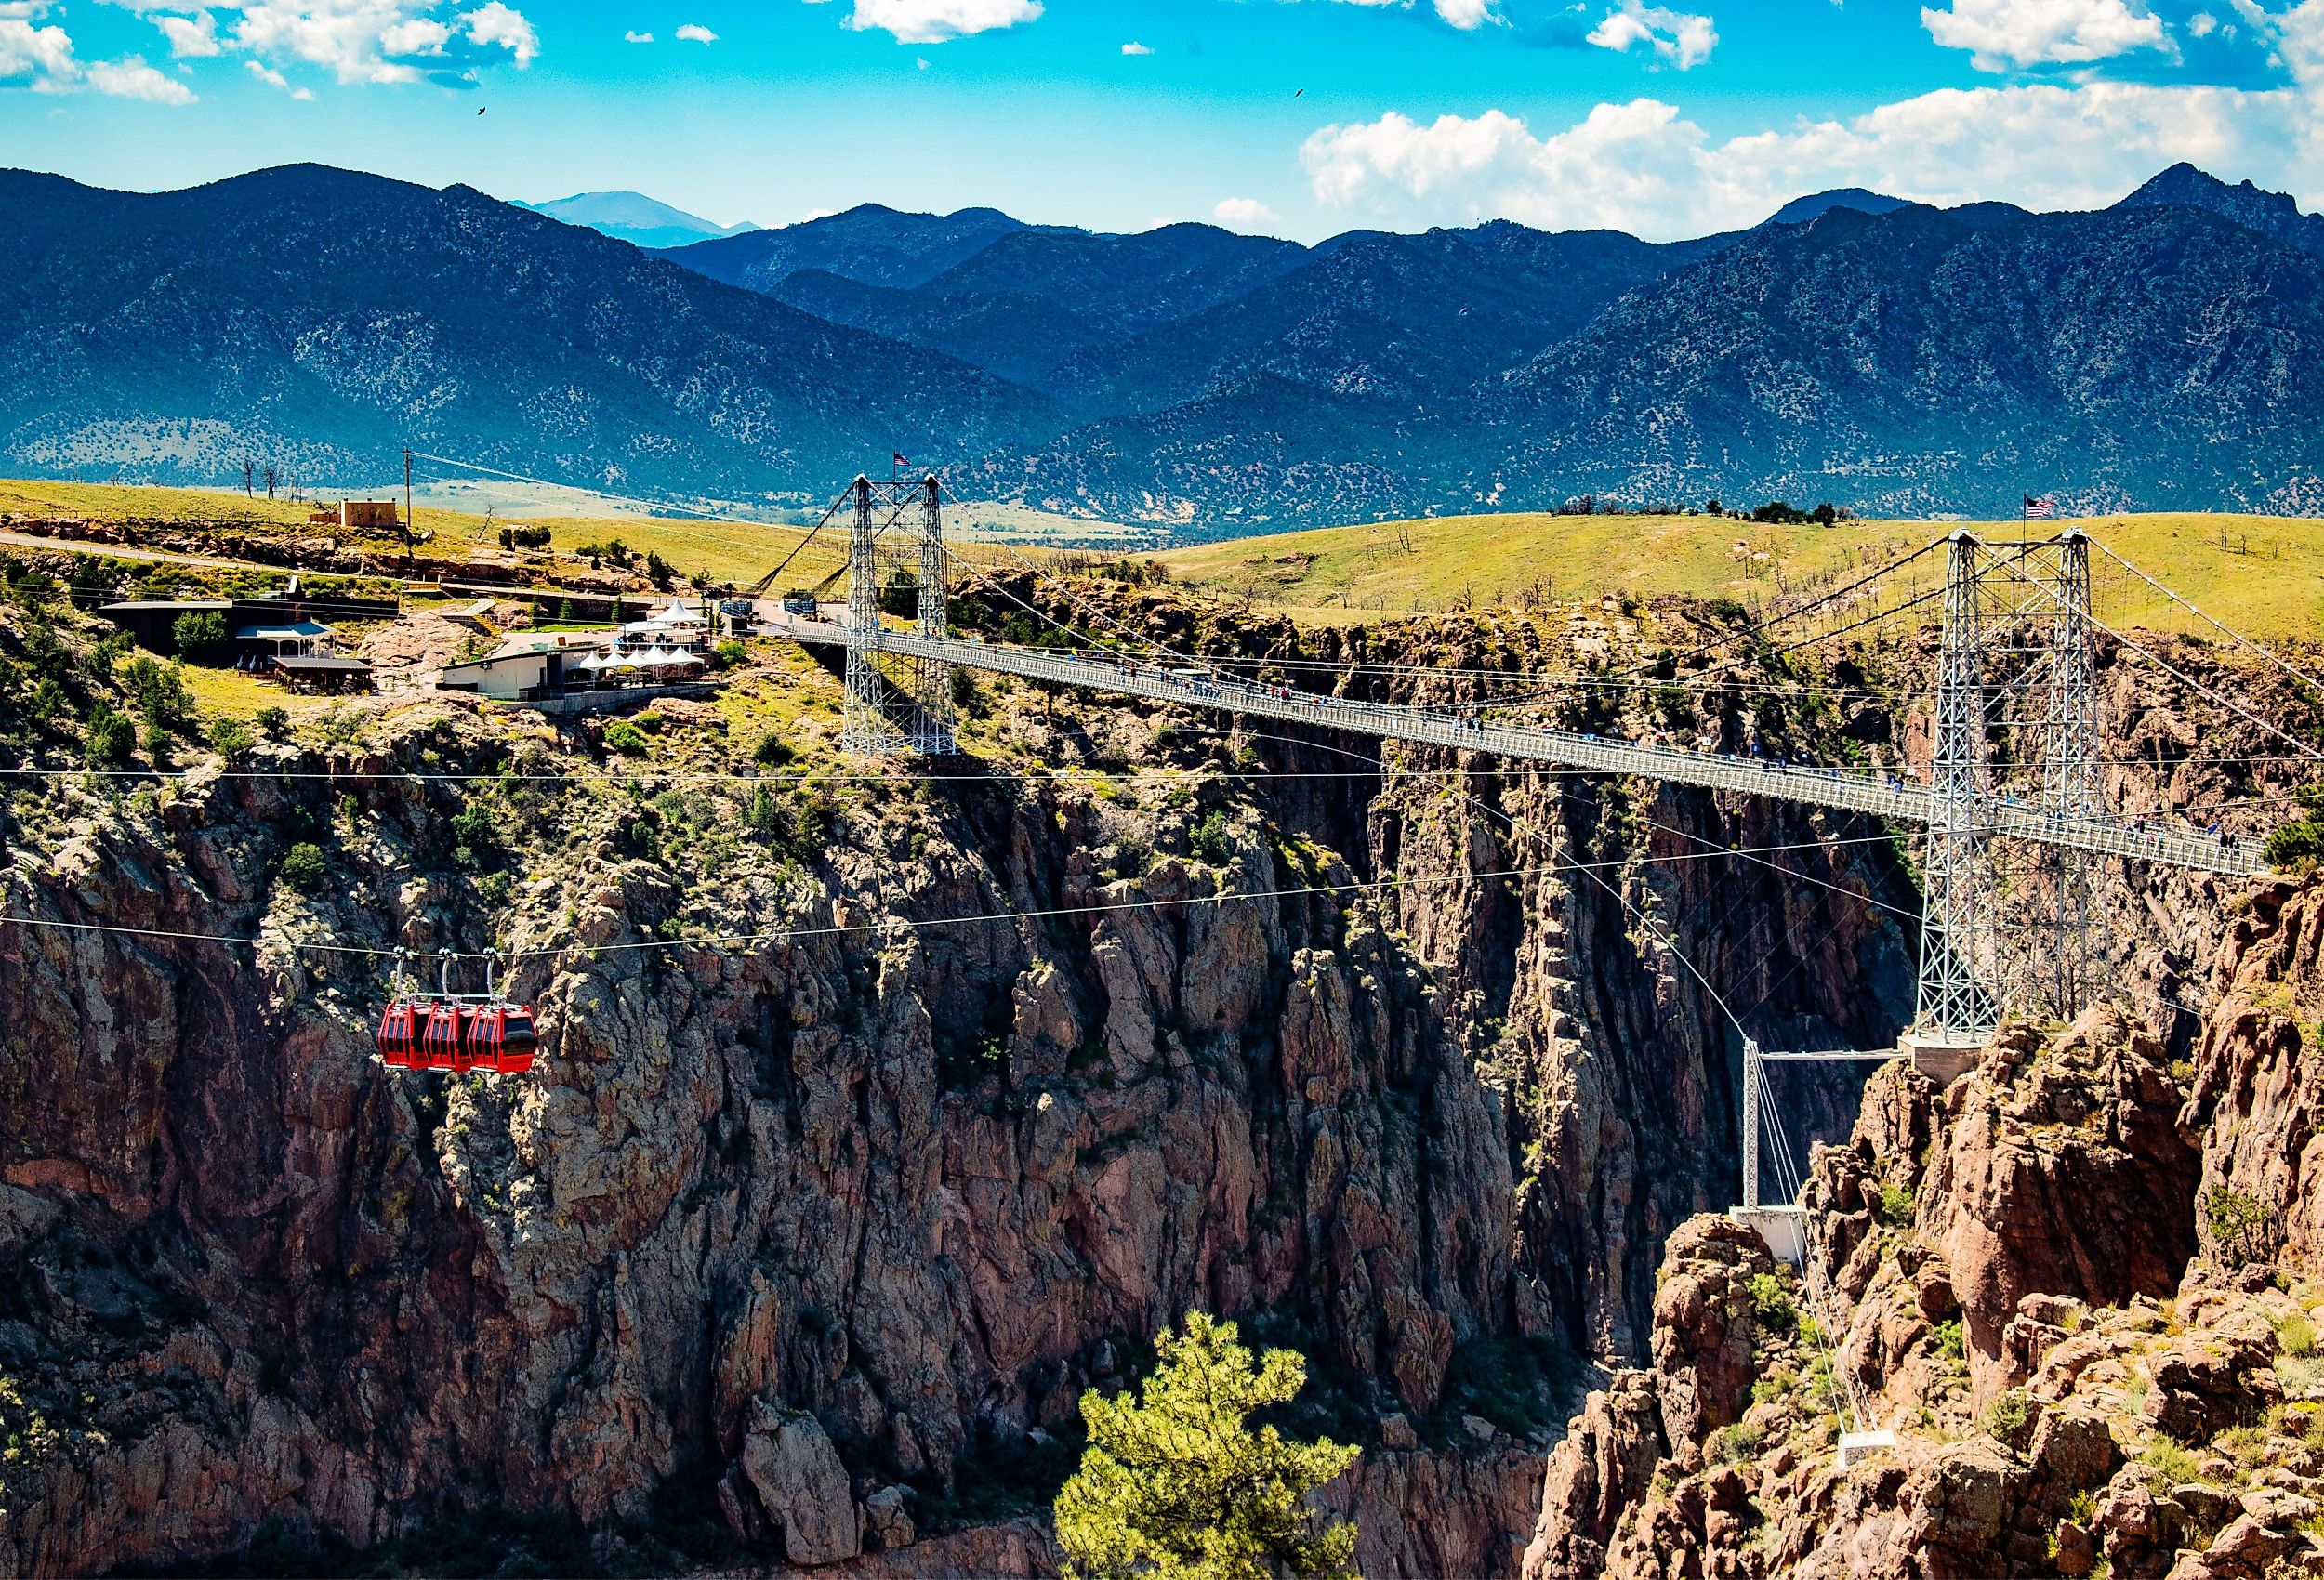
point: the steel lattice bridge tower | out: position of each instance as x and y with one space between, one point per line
2015 833
883 715
2015 663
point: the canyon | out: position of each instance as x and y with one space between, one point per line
884 1110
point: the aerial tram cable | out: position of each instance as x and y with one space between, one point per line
2266 652
1757 626
2306 752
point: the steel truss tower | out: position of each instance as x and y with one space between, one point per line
2069 787
932 678
1957 933
2018 619
882 717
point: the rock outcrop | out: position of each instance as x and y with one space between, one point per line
2007 1275
881 1117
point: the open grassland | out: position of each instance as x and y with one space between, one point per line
739 552
2263 574
117 503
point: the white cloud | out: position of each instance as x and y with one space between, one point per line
1677 38
418 35
496 23
273 78
2005 33
933 21
1644 167
1245 214
694 33
2201 24
43 54
633 36
189 38
1466 15
1134 47
132 78
356 41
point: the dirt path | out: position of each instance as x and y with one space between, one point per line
122 551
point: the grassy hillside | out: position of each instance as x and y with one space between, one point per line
2262 574
731 551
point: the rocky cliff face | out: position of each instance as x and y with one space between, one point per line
2077 1287
880 1114
878 1118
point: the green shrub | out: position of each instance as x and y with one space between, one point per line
273 721
1176 1482
2243 1227
625 737
901 595
2296 845
1894 1205
773 751
303 867
475 836
111 737
1737 1443
2006 1417
160 692
2296 1334
1771 1302
199 634
730 653
230 735
1952 1342
1213 839
2176 1464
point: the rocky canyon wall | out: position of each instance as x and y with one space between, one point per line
883 1114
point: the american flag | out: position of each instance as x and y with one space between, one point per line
901 462
2040 509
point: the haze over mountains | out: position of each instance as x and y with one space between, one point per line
633 217
1892 357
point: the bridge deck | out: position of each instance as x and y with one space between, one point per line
1839 788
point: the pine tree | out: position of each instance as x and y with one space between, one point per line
1175 1484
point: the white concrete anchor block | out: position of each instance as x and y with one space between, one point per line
1784 1229
1855 1445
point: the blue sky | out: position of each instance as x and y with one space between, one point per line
1296 117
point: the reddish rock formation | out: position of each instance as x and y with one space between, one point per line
2072 1385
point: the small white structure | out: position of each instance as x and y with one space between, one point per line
676 626
524 668
300 638
1784 1228
1854 1446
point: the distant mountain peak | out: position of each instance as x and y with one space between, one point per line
1814 205
633 217
2253 207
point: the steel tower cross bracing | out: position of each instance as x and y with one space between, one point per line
865 731
1957 1006
932 676
2070 786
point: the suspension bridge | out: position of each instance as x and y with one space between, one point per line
2017 631
2017 621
